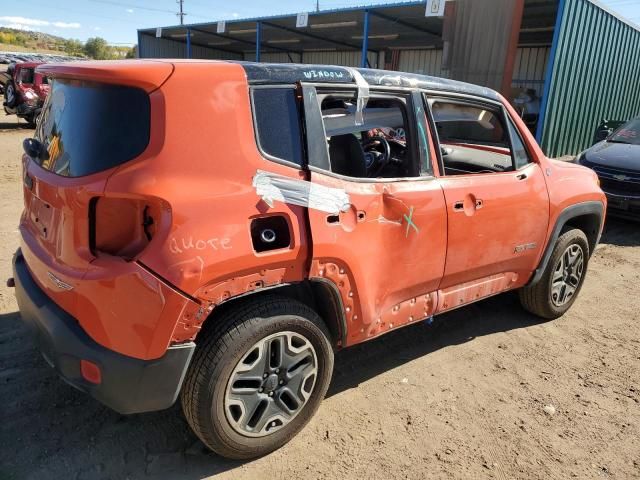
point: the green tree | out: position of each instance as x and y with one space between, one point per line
98 48
73 47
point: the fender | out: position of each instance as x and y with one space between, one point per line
586 208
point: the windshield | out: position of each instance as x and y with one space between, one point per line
628 133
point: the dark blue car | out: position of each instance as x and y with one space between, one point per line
616 160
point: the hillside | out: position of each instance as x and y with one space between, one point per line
24 41
38 42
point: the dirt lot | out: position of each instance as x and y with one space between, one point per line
464 398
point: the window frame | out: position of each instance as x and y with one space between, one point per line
524 144
316 133
301 121
480 102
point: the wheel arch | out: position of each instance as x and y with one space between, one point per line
320 295
585 216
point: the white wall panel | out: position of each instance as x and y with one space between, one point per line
530 67
279 57
425 62
346 59
152 47
528 72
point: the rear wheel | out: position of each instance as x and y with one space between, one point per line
562 280
258 377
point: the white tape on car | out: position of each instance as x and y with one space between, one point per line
363 94
272 187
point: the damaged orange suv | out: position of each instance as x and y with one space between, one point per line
220 243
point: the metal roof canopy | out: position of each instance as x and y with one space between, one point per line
391 26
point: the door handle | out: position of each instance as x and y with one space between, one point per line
521 176
472 205
361 215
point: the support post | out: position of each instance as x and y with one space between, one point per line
548 77
188 43
365 39
512 49
258 40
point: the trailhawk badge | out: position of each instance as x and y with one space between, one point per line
59 283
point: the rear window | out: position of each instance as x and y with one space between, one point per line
89 127
277 121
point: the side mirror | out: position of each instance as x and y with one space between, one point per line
32 147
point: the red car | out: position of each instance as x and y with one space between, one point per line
25 91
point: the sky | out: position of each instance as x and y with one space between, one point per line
118 20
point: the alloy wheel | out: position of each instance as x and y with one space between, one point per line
567 275
271 384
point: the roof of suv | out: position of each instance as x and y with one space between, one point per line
290 73
151 73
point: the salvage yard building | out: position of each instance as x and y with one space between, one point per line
566 64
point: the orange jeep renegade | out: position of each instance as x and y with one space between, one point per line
221 242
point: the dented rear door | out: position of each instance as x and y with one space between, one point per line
384 249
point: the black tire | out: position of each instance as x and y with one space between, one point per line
10 95
32 120
219 351
537 298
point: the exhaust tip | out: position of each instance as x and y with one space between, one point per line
11 282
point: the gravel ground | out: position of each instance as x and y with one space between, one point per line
488 391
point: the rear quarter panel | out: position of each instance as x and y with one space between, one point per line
204 160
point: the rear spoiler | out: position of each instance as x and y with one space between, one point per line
148 75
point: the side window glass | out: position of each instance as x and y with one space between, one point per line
380 147
473 139
520 156
277 123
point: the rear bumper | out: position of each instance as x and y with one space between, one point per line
623 206
128 385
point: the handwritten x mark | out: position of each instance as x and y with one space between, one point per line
410 223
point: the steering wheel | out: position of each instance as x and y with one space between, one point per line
377 159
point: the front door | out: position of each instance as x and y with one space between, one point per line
497 201
385 250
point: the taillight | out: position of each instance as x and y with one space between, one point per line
122 227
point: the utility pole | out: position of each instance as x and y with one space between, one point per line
317 5
181 14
